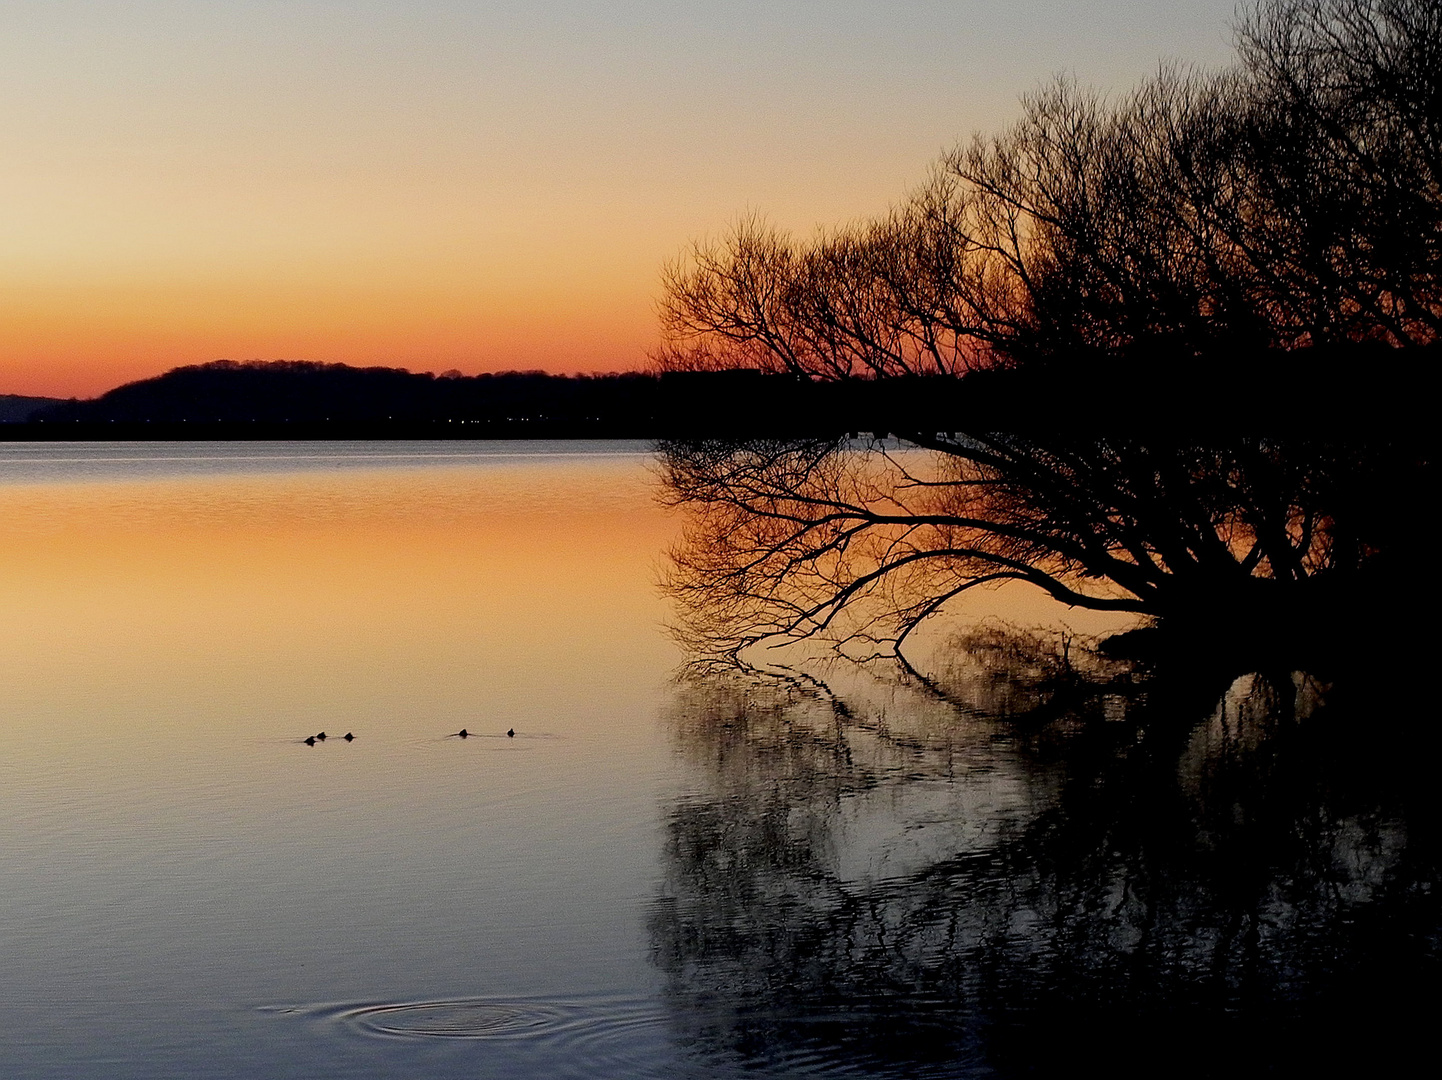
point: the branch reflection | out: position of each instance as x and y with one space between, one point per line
1044 857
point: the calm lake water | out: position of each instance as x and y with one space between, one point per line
844 875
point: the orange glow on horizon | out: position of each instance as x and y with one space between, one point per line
87 360
80 340
457 185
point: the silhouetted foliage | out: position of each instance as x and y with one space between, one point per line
1177 346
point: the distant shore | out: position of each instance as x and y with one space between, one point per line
1346 392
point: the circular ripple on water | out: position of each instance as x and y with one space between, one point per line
604 1036
635 1038
461 1019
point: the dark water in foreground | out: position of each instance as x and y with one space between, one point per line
1198 875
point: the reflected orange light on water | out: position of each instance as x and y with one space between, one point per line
176 619
262 604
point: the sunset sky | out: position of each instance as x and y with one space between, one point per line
441 184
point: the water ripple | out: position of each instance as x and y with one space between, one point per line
463 1019
624 1037
602 1037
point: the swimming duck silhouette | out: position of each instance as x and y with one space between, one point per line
347 736
462 734
310 740
321 736
511 734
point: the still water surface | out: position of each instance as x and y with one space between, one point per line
652 878
190 890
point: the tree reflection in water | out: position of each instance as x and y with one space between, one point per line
1042 860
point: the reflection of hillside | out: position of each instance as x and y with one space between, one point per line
869 890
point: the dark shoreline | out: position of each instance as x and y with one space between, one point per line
1331 395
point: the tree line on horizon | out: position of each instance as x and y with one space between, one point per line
312 399
281 397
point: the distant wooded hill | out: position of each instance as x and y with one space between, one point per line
308 400
17 408
1315 392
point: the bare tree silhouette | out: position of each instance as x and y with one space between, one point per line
1295 199
1238 237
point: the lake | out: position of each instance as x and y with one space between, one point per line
843 874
